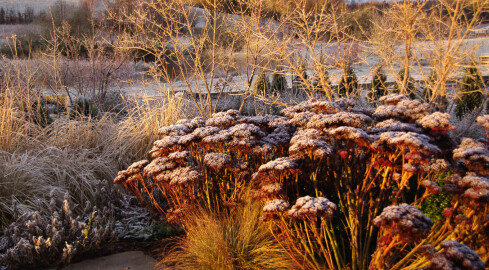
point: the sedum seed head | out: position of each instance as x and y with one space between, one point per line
311 207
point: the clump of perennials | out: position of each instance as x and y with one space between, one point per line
322 164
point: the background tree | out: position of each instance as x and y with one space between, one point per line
349 83
379 80
2 15
470 93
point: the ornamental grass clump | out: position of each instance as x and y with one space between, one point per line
340 186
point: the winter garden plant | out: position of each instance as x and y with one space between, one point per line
341 186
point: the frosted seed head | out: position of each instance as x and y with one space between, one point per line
137 167
351 133
483 120
174 130
203 132
272 189
217 161
455 255
435 121
185 175
431 187
393 99
276 206
310 207
223 120
221 137
179 156
412 141
322 121
404 220
157 166
246 131
167 142
394 125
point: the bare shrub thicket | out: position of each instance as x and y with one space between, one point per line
186 43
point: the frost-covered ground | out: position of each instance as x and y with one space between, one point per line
238 82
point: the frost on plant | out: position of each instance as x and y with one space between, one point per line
325 172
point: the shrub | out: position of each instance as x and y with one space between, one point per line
320 86
279 82
470 92
348 85
432 95
408 88
262 84
379 88
326 172
83 108
39 114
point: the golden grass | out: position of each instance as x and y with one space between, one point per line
236 240
67 155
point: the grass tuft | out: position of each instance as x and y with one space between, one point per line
236 240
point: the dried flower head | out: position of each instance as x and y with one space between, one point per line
192 123
321 121
276 169
135 169
223 120
281 135
411 140
310 207
394 125
410 110
166 142
157 166
179 156
276 206
246 131
262 149
272 189
174 130
404 220
323 106
474 154
217 161
431 187
302 119
203 132
483 120
345 103
263 121
393 99
184 175
219 138
351 133
455 256
435 166
309 142
436 121
314 106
